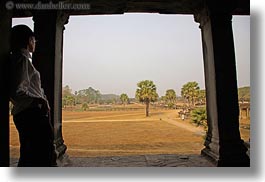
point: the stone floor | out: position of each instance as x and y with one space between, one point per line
137 161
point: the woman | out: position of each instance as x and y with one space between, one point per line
30 105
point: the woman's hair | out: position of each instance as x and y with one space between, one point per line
20 35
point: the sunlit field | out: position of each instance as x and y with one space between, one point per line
124 130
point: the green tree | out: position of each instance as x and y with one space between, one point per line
199 117
146 93
244 94
190 91
84 106
89 95
202 97
76 99
124 99
68 100
67 96
67 91
170 97
92 95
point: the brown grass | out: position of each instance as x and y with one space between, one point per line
113 133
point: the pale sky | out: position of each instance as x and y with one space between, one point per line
113 53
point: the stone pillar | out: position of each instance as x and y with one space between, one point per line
5 27
223 143
48 59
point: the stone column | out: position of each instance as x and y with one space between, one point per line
223 143
48 59
5 27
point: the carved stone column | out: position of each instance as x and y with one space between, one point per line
48 59
5 30
223 143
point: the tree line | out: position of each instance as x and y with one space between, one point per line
86 96
146 92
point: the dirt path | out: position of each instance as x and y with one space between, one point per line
186 126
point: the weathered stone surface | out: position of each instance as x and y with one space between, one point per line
138 161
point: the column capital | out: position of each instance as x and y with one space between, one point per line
202 17
59 17
205 16
214 10
62 18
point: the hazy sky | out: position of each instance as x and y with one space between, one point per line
113 53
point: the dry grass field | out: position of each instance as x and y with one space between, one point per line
127 132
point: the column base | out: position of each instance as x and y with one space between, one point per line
233 160
62 159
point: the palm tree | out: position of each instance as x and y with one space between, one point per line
124 98
190 91
170 97
146 93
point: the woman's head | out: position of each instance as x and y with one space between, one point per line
22 37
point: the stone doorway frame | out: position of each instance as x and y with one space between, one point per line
223 144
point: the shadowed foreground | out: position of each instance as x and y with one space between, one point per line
137 161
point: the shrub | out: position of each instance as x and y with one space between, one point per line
199 117
84 106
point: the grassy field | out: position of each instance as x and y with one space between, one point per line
127 131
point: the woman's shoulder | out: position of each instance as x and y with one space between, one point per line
18 57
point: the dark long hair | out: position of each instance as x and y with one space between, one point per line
20 35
